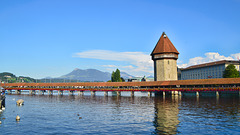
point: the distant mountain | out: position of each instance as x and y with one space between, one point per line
92 75
150 76
126 75
48 77
75 76
88 75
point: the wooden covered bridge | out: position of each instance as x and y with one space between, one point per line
175 87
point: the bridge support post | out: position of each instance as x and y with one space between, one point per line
217 93
93 93
71 92
149 94
197 94
132 93
174 92
105 93
9 91
164 93
180 93
80 93
118 93
41 92
18 91
32 92
50 92
60 92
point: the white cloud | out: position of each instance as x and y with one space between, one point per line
209 57
110 66
139 62
127 67
236 56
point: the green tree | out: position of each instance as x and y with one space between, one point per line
113 76
230 72
116 77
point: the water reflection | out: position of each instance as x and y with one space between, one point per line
166 114
194 115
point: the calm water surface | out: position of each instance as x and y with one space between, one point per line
43 114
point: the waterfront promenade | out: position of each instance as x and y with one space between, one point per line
164 87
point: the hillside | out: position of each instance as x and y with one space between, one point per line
11 78
87 75
92 75
77 75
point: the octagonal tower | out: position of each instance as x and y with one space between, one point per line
165 57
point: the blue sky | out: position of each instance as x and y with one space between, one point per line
41 38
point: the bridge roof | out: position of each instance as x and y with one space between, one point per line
164 45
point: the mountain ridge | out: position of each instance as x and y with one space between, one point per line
91 75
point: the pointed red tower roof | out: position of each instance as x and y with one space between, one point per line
164 45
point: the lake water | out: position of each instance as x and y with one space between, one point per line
45 114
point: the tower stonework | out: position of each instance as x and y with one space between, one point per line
165 57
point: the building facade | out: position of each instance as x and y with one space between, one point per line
207 70
165 57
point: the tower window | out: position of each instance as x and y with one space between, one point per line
168 62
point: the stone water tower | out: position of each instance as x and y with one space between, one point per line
165 57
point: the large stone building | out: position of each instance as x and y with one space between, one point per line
165 57
207 70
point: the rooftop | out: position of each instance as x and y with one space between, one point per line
146 84
212 64
164 45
